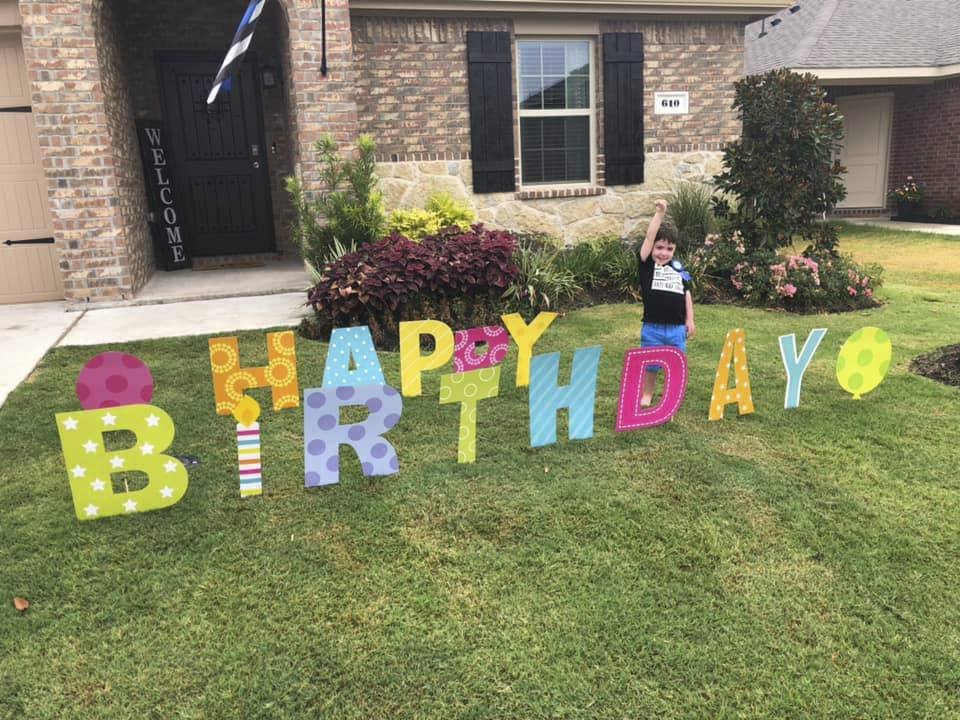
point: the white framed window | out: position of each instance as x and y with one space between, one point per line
556 81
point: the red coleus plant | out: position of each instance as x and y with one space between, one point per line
394 279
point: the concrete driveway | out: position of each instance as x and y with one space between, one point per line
26 333
171 304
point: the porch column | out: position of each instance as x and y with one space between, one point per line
88 142
322 105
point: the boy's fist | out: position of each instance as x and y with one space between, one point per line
661 206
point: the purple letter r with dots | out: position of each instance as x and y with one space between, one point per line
323 434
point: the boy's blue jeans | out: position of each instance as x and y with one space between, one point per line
654 334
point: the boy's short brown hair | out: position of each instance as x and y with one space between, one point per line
668 231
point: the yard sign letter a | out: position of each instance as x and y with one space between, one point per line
734 350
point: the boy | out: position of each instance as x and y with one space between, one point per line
665 288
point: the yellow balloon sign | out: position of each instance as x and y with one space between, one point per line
864 361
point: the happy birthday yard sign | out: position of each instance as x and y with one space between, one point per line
114 389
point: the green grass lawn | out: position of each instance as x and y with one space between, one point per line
800 563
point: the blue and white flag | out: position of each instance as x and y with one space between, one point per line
241 41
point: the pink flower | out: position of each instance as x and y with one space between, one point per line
868 292
788 290
779 270
851 290
864 282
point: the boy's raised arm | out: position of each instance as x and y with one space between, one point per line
652 228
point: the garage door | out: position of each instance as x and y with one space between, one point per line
866 124
28 260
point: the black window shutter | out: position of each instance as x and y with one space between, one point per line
623 107
491 111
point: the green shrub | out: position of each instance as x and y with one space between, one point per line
606 263
817 279
943 213
783 170
542 282
414 224
348 211
442 211
449 212
690 208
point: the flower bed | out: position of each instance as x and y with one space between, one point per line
455 276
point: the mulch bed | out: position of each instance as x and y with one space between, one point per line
942 365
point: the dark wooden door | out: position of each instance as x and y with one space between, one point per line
218 157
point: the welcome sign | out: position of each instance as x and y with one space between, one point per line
170 250
115 390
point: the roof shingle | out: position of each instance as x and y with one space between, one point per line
856 34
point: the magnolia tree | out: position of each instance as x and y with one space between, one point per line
784 170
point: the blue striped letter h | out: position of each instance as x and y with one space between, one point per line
579 397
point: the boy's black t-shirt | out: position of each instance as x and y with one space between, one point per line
663 288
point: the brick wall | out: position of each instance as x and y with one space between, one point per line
133 262
924 138
702 58
91 70
412 83
87 168
926 141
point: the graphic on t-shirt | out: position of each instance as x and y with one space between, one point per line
667 279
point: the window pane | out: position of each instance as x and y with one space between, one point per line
553 93
554 75
553 132
531 133
554 62
529 53
578 91
532 166
577 130
531 95
578 58
555 149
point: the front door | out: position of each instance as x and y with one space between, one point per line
218 157
866 142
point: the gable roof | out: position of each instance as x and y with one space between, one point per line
856 34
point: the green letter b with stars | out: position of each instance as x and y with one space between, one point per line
89 464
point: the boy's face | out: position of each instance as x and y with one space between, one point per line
663 251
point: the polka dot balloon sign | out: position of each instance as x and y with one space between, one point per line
114 379
864 360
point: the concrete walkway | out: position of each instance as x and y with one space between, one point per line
28 331
906 226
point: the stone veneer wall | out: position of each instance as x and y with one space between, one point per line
412 97
75 56
618 211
